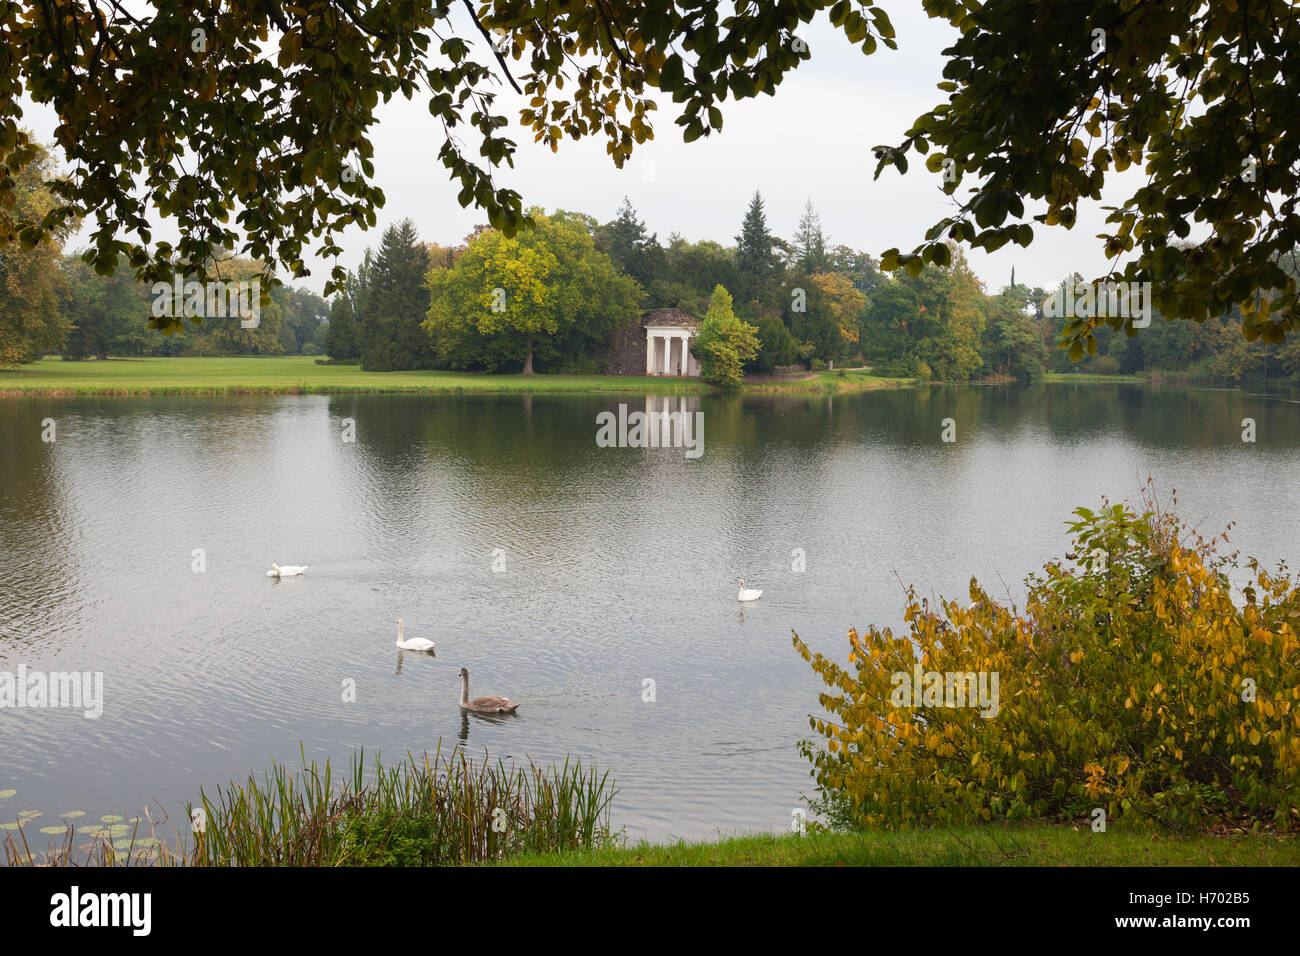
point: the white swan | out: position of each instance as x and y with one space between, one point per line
483 705
748 594
288 571
415 643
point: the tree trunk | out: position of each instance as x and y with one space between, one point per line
528 362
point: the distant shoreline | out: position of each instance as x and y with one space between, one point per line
301 375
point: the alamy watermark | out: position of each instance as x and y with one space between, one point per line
946 689
1101 300
210 300
125 910
77 690
655 429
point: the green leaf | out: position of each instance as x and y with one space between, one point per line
672 76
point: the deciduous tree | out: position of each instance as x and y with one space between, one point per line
724 343
543 295
107 313
249 122
31 323
1046 101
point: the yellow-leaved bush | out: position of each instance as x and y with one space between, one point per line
1131 681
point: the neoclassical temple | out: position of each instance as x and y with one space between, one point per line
668 334
656 343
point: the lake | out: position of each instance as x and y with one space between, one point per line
562 574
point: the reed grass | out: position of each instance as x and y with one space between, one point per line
427 811
443 809
139 848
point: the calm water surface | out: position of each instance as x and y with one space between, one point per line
619 565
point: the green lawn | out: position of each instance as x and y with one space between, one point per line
300 373
294 373
1036 845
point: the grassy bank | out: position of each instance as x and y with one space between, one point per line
840 380
291 374
1088 377
1035 845
299 374
447 810
434 810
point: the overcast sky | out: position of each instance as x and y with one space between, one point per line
812 141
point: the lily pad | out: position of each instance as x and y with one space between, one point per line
6 794
110 818
25 815
116 830
8 826
73 814
53 830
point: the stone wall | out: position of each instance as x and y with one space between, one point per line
627 353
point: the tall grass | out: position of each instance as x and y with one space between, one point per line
427 811
423 812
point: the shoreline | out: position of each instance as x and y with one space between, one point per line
153 376
300 375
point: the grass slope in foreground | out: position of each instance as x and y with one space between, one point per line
300 374
1002 845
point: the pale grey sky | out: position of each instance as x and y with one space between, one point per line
813 140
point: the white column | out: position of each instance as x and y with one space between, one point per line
686 354
649 352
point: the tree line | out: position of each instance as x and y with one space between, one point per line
553 298
54 302
175 116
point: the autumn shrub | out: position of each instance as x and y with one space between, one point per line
1136 679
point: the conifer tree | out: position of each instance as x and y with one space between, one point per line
396 302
